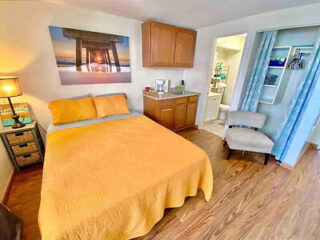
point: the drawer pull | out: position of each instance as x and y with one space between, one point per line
24 148
20 137
28 159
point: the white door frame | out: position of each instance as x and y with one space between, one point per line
242 72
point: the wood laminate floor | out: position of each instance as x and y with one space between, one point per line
249 201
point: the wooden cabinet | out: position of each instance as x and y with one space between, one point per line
165 45
175 114
180 115
212 108
163 42
167 117
191 113
185 46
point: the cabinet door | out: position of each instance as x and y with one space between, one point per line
167 117
191 113
185 46
213 105
209 109
162 44
180 115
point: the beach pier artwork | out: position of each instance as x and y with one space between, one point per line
85 57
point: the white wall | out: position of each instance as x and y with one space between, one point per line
233 61
26 50
198 77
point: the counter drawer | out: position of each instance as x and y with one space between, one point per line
181 100
167 103
24 148
193 99
28 159
20 137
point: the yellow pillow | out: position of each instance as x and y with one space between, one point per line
69 110
111 105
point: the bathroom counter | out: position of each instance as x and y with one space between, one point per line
211 94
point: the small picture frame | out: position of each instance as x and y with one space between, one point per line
21 109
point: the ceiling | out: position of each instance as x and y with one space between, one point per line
187 13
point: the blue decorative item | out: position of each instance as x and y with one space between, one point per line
253 92
223 76
270 79
277 62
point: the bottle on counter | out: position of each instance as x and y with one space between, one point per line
182 86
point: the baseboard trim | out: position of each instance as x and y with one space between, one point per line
313 145
286 165
8 189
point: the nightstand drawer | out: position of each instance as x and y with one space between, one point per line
28 159
20 137
24 148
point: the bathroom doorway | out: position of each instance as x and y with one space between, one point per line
226 63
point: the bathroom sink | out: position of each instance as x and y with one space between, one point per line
178 93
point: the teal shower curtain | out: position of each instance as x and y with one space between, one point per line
292 119
253 91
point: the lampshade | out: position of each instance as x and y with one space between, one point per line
9 86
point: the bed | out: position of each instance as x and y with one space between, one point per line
112 178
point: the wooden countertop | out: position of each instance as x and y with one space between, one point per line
165 96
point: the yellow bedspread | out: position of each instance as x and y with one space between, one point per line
113 180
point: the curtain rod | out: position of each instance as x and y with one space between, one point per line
289 27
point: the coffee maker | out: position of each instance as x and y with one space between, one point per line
162 85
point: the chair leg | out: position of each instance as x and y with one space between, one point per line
266 158
229 154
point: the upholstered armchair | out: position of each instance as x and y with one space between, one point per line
243 133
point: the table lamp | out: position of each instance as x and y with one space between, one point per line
9 87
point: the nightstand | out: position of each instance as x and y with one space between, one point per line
24 145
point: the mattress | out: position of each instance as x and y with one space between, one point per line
113 179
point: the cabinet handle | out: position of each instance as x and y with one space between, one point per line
18 134
26 156
23 145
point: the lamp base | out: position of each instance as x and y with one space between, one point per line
17 123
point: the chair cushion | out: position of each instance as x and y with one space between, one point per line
247 139
250 119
